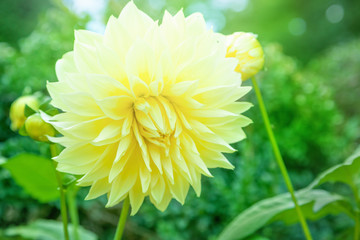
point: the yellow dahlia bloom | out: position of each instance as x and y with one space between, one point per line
17 108
148 108
248 51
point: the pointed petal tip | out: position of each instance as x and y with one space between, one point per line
229 166
181 201
88 197
134 211
109 204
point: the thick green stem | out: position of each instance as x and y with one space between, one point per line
63 208
74 216
122 220
357 215
279 159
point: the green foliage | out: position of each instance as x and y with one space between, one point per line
339 68
347 172
314 204
25 70
47 230
34 63
22 20
301 107
275 20
35 174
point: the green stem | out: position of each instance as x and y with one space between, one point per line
356 233
279 159
357 222
63 209
122 220
74 216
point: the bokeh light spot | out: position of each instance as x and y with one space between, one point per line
235 5
297 26
335 13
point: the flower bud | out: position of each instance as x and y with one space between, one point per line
248 51
38 129
17 108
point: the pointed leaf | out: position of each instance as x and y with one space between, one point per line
68 179
35 174
47 230
346 172
45 104
314 203
28 111
47 108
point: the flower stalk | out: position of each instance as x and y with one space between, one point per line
357 215
63 208
122 220
279 159
74 216
357 226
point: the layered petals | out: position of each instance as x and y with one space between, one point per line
148 109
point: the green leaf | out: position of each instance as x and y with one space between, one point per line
68 179
35 174
314 203
47 230
259 238
22 131
46 107
28 111
52 111
45 103
346 172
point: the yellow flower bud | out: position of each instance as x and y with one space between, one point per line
38 129
248 51
17 108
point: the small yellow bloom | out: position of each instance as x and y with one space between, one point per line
248 51
38 129
147 108
17 108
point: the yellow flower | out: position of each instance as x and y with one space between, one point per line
148 108
248 51
38 129
17 108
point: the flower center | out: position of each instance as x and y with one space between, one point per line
156 119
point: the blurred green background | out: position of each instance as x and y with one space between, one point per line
311 85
